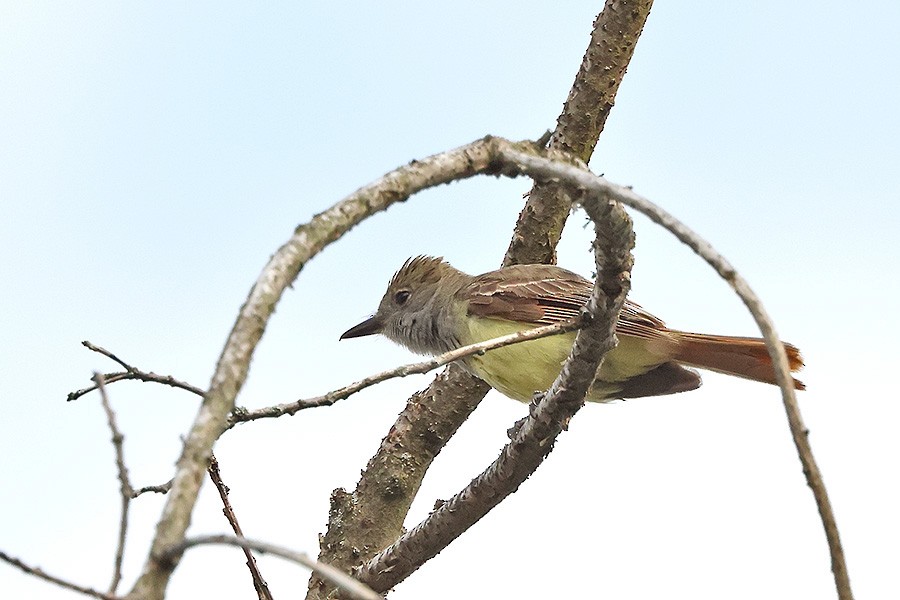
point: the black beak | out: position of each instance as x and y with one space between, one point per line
370 326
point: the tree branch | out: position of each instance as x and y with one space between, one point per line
130 373
613 39
40 574
242 415
543 168
290 408
259 584
125 489
162 488
339 579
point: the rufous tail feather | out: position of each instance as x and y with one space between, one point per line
739 356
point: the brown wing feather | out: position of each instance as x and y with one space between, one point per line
546 294
539 294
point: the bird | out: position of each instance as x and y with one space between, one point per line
430 307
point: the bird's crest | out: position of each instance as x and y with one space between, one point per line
422 269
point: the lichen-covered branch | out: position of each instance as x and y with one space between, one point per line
349 586
613 39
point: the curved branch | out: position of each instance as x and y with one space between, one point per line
542 168
348 585
234 362
489 156
41 574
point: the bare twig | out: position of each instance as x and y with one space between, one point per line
534 439
131 373
242 415
262 588
107 354
536 166
125 489
338 578
157 489
40 574
290 408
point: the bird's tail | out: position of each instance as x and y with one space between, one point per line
739 356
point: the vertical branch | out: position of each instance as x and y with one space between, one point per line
613 39
362 522
125 489
262 588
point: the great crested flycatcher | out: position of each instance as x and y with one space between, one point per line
431 307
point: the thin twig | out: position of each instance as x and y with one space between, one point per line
125 489
157 489
345 582
107 354
40 574
131 373
539 167
290 408
262 588
242 415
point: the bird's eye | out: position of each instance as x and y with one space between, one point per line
401 297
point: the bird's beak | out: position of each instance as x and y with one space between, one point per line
370 326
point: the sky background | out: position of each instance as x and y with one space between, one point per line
153 156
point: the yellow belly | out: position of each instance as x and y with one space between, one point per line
520 370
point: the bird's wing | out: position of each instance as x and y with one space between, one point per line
546 294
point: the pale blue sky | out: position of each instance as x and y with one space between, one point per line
153 156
